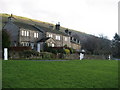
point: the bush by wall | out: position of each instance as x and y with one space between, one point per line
67 51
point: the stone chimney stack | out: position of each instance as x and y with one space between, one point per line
57 26
10 18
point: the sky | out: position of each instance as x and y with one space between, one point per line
90 16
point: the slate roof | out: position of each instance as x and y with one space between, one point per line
51 30
43 39
75 36
25 26
38 28
74 42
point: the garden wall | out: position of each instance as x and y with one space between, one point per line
101 57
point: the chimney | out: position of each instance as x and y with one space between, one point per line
10 18
57 26
11 15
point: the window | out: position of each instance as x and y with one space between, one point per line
53 45
27 33
22 33
74 39
57 37
78 42
50 35
66 39
32 45
35 35
27 44
23 43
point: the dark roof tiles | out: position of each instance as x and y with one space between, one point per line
25 26
52 30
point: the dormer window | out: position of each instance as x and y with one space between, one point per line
74 39
78 42
66 39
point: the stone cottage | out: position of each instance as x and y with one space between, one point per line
23 34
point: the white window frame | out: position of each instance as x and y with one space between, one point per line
28 33
53 45
35 35
50 35
57 37
22 32
66 39
24 44
25 33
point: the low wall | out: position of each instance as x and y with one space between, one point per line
101 57
42 55
71 56
47 55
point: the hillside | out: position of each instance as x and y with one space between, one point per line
82 36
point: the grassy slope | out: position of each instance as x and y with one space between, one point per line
24 20
60 74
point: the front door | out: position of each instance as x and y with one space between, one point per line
38 47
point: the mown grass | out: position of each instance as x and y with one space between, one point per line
60 74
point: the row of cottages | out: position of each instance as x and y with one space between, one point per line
36 36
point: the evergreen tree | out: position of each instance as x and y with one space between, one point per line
5 39
116 46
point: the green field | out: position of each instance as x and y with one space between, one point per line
60 74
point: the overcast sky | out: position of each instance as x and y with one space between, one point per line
90 16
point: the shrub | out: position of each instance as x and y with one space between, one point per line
67 51
5 39
29 53
61 51
46 55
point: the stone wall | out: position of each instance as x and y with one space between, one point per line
71 56
75 46
101 57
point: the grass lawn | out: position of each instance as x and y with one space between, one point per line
60 74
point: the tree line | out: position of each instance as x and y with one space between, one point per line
102 46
